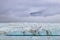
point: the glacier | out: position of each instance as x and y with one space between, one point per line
25 28
18 28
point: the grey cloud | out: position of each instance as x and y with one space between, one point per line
19 10
47 12
50 19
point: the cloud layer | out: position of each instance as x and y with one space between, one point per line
20 11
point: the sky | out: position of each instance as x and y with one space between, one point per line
30 11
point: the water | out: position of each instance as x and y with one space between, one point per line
18 28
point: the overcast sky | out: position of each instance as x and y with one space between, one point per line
30 11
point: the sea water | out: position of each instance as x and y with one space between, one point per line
18 28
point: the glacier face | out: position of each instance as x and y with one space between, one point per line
18 28
30 28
